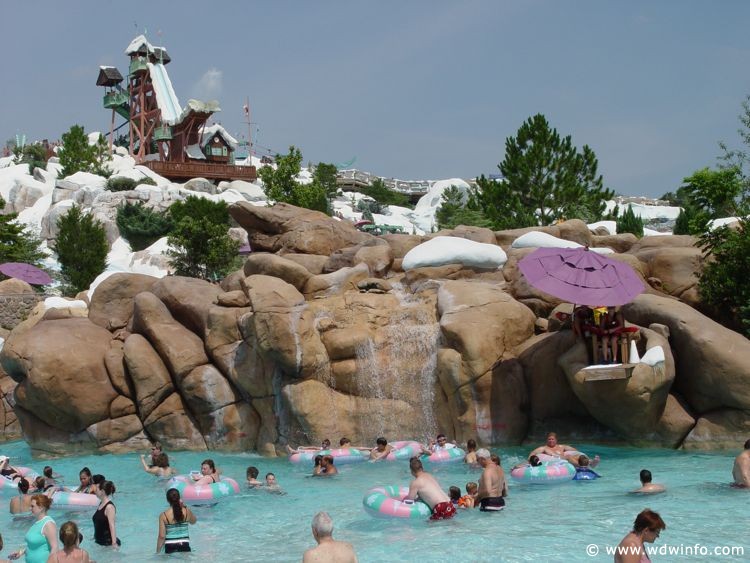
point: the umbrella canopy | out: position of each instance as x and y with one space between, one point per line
581 276
25 272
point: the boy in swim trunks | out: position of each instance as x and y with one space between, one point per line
428 490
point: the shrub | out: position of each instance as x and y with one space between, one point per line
141 226
123 184
81 248
629 223
17 243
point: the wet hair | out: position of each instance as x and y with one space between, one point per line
534 461
648 520
747 445
328 459
318 460
210 463
583 460
645 476
85 471
344 441
454 492
381 441
108 487
39 483
252 472
326 443
322 525
23 485
69 534
161 460
440 436
415 464
471 444
270 475
471 487
495 459
42 500
173 498
98 479
47 471
552 435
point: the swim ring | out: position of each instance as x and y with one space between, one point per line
585 474
7 484
549 472
341 456
386 502
447 456
70 501
404 450
203 494
568 455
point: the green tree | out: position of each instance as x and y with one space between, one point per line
76 155
100 152
544 178
280 184
629 223
714 192
35 155
141 226
201 245
81 248
17 243
457 209
378 191
324 176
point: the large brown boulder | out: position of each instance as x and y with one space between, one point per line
278 267
313 263
112 303
711 360
12 286
188 300
175 429
724 429
619 243
477 234
287 228
149 375
402 244
64 381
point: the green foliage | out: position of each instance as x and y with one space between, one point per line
454 211
385 196
81 248
17 243
141 226
201 245
367 205
35 155
75 155
690 221
629 223
714 192
725 281
101 157
280 184
122 183
545 178
324 176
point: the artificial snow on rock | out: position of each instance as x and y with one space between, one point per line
653 356
440 251
538 239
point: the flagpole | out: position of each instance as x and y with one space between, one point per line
249 130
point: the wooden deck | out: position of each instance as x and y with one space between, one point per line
188 170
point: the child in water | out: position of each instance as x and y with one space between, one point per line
468 500
252 477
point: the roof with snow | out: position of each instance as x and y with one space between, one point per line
141 46
217 129
108 76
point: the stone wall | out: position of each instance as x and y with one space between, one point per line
16 307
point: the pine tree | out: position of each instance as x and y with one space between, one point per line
17 244
76 155
280 185
81 248
141 226
630 223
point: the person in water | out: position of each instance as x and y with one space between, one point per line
647 487
471 452
85 484
8 471
469 499
156 450
21 504
160 466
426 488
174 535
324 445
381 450
455 494
327 469
328 549
71 551
50 478
318 465
492 485
533 461
563 451
646 528
105 532
208 474
251 475
41 539
583 471
741 468
440 444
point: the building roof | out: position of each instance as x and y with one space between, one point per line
108 76
141 46
217 129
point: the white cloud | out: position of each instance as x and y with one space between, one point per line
209 86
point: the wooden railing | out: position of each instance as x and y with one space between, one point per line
187 170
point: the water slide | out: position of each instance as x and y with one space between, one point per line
166 99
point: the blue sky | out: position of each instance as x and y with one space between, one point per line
421 89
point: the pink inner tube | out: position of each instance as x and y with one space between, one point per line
203 494
568 455
447 456
8 484
404 449
340 455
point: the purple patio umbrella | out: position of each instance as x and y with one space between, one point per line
579 275
25 272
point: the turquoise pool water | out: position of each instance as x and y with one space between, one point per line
554 523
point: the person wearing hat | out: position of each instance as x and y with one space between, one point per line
492 485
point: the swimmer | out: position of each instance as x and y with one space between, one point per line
440 444
381 450
471 452
318 467
160 466
50 478
272 486
469 499
646 528
563 451
324 445
533 461
492 485
156 449
7 470
208 474
582 466
328 549
326 467
426 488
647 487
455 494
741 468
252 477
85 485
21 504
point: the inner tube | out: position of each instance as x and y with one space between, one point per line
549 472
341 456
447 456
568 455
7 484
203 494
585 474
404 450
77 502
386 502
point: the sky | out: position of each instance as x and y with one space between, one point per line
414 89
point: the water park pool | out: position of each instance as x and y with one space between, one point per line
555 522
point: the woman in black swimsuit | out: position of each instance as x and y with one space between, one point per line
104 517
